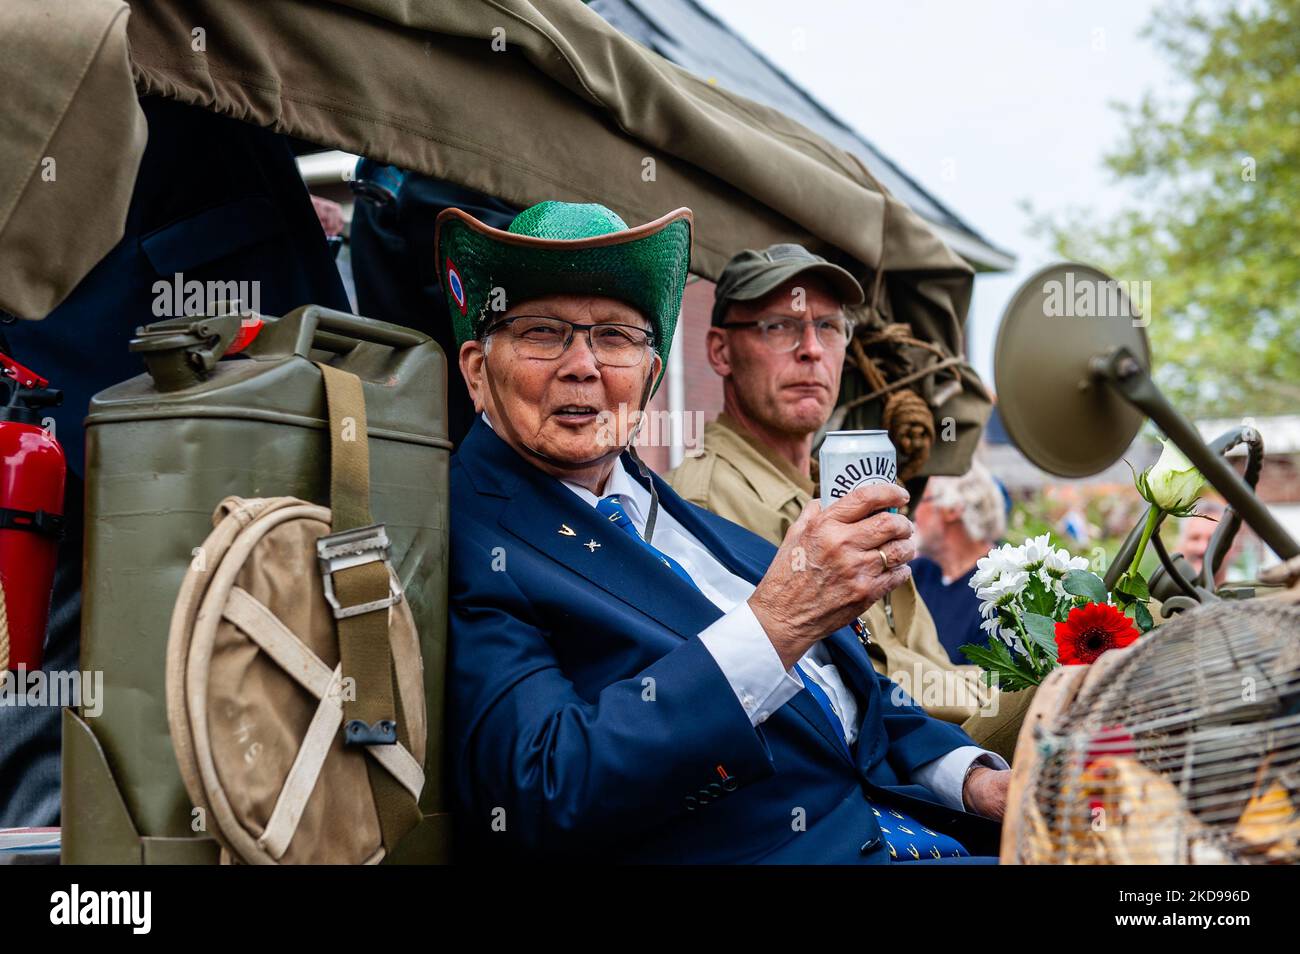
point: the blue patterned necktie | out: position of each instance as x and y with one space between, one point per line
612 510
824 703
906 838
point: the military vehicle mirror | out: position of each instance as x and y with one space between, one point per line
1060 416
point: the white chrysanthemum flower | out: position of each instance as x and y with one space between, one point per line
1010 637
1005 589
1035 551
1059 562
999 562
983 575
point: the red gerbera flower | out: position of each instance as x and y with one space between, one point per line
1089 631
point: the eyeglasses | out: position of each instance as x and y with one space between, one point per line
782 333
546 338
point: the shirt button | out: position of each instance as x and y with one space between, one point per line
762 716
748 702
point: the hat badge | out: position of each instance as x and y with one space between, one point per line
456 287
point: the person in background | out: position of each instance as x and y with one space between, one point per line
959 519
1194 538
330 215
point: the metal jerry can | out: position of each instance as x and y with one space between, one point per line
162 450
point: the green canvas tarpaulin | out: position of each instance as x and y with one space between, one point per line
523 100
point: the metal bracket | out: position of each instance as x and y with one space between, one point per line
383 732
349 548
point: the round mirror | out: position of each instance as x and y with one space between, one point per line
1059 417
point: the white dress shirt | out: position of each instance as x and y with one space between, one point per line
746 655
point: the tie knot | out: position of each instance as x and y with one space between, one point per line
611 508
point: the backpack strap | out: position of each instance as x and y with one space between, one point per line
361 587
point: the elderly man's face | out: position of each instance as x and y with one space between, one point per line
566 407
792 392
932 520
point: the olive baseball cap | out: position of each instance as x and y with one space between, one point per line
752 274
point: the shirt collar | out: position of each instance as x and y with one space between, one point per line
634 497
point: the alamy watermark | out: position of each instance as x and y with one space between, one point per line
21 688
179 298
650 428
943 688
133 909
1087 297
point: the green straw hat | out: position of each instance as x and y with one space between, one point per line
563 247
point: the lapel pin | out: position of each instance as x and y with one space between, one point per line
566 530
591 545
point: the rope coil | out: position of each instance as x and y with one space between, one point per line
906 415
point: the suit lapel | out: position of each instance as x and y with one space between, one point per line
607 558
549 517
855 667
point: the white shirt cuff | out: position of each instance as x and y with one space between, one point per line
749 661
946 775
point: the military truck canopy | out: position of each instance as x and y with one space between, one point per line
522 100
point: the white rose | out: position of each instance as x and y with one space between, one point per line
1172 482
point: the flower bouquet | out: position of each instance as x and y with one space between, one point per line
1044 608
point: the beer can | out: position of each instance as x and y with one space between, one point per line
850 458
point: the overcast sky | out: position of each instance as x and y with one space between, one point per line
983 103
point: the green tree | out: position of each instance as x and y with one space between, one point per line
1217 227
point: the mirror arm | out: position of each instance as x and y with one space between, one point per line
1172 570
1122 371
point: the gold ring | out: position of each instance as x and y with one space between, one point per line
884 562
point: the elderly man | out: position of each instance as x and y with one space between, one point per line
630 677
958 520
778 341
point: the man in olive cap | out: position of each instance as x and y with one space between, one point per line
778 338
630 677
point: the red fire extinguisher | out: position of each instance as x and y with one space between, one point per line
32 474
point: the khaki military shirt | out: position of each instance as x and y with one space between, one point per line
737 477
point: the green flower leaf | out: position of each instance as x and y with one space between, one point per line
1010 676
1037 598
1086 584
1042 630
1133 584
1142 616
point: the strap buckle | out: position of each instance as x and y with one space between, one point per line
349 548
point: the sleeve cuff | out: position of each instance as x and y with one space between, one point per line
750 664
946 775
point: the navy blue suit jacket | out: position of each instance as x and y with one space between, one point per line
586 717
